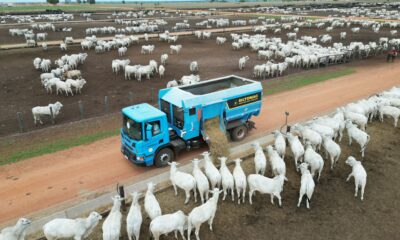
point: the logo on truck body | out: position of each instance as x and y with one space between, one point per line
240 101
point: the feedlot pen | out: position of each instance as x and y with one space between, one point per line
334 214
106 92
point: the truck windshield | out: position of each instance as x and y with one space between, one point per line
132 129
178 117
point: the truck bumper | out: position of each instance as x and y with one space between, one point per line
132 157
127 154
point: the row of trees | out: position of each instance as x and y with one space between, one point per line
77 1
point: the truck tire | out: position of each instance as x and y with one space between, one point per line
239 133
163 157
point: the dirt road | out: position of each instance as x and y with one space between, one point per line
81 172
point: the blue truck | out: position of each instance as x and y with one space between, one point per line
155 136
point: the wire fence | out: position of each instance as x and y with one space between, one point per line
23 121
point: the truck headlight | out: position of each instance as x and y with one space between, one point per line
139 158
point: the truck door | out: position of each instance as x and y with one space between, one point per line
157 137
192 123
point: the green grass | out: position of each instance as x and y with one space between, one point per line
276 16
311 17
280 85
256 15
56 146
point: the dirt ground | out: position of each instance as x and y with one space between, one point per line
83 172
21 88
334 214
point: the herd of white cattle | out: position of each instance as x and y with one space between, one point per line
387 11
298 51
36 18
137 25
152 25
303 52
120 15
65 17
309 143
64 78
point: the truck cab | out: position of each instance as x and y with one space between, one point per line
144 131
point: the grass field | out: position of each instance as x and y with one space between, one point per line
275 16
270 87
292 82
56 146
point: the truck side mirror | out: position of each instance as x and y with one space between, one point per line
149 129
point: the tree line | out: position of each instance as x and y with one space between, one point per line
77 1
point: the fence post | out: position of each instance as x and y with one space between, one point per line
130 97
52 115
81 109
20 122
106 107
121 191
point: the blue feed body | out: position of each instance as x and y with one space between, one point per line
213 104
181 115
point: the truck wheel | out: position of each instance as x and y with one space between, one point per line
163 157
239 133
